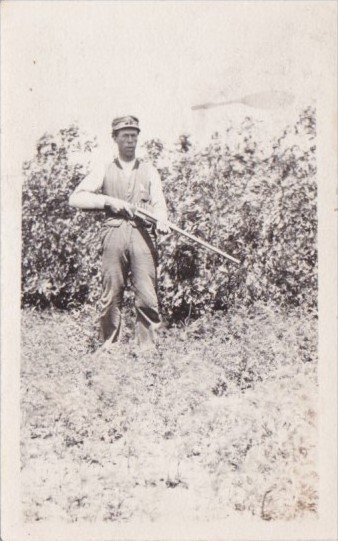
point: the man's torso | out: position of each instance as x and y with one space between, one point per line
131 186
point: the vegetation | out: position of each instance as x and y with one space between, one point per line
220 421
257 202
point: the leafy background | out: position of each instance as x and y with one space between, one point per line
255 201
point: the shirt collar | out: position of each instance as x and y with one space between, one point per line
118 164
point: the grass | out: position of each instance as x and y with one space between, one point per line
220 421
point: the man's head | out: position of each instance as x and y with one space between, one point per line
125 132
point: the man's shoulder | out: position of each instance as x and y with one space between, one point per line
109 164
145 164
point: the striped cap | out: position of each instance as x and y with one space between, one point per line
125 122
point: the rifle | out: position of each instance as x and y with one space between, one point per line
145 214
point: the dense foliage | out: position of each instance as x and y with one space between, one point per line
60 259
254 200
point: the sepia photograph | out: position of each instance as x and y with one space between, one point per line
169 270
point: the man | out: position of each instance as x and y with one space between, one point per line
128 242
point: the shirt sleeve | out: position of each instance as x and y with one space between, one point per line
85 195
157 197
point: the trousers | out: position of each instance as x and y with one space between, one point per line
129 249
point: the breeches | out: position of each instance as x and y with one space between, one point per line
128 249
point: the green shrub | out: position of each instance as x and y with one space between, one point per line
255 201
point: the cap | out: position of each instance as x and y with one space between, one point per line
125 122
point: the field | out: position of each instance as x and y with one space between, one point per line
220 421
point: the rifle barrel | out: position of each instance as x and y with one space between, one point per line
144 213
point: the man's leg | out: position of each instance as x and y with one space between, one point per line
143 276
114 274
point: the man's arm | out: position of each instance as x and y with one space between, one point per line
85 195
157 199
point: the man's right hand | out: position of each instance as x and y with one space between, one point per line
118 206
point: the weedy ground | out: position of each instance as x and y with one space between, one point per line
220 420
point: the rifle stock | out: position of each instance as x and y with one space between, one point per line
145 214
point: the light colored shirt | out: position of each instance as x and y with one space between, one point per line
127 166
86 195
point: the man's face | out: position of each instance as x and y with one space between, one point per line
126 140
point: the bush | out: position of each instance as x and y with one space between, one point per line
256 201
60 253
